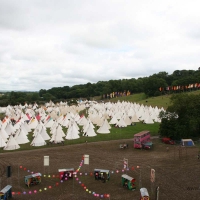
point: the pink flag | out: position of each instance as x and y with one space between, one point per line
38 117
28 116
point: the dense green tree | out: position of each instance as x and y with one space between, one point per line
168 128
42 92
149 85
182 118
34 96
47 97
140 85
152 85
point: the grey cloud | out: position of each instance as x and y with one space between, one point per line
45 44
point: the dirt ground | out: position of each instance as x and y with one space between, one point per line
177 171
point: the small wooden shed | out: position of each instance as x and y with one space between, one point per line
6 192
128 182
65 174
33 179
102 174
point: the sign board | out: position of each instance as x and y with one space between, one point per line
86 159
46 160
153 175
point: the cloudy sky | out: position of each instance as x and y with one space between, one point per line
54 43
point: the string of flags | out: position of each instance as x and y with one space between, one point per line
76 173
180 87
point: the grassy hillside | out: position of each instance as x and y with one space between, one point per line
116 133
160 101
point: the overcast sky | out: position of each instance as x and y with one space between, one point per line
54 43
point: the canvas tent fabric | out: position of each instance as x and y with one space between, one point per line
9 129
44 133
57 136
113 120
103 129
3 134
72 133
187 142
2 142
21 137
90 131
38 141
33 123
11 144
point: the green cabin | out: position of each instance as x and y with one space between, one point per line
128 182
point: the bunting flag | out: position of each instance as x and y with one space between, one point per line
180 87
128 93
38 117
28 116
82 116
78 179
48 118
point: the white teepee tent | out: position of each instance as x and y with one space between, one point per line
4 134
38 141
11 144
121 123
103 129
90 131
113 120
72 132
2 142
33 123
9 129
57 136
21 137
44 133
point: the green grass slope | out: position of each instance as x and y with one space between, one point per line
116 133
159 101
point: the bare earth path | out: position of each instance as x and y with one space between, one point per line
176 170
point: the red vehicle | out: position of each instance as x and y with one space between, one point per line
142 140
168 141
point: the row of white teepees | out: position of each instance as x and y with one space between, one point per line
32 121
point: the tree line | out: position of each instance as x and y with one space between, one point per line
149 85
182 117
